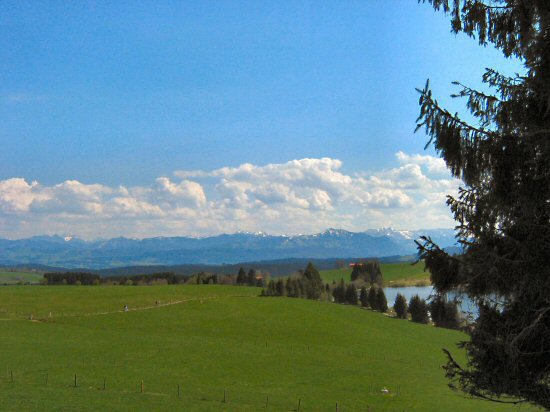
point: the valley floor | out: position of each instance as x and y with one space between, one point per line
210 340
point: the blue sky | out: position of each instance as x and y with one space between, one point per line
120 94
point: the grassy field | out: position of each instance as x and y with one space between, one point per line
395 274
13 278
208 339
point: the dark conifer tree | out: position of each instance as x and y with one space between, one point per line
288 288
503 210
381 300
363 297
400 306
444 313
351 294
339 292
271 291
313 287
373 301
418 310
373 273
241 277
279 287
358 271
251 278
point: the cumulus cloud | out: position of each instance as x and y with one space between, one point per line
432 164
298 196
16 195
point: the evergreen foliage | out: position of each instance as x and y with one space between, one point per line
280 287
363 297
381 301
418 308
312 282
400 306
307 284
270 290
503 210
251 278
351 294
372 298
70 278
444 313
369 271
339 292
241 276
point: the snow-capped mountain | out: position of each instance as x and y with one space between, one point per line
70 252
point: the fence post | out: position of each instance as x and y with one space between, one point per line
266 401
75 380
11 376
141 388
336 406
104 383
299 404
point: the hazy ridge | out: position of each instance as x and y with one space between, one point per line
70 252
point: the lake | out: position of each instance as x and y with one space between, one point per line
466 306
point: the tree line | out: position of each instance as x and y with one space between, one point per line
71 278
308 284
252 278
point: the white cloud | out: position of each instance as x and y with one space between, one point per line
432 164
16 195
299 196
184 192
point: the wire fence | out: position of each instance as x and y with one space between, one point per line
176 392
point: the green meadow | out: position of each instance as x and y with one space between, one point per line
395 274
276 354
13 278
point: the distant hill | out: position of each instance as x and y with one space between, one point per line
228 249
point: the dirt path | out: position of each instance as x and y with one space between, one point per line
137 309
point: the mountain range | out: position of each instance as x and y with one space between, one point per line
72 252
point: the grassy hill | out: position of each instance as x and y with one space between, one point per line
11 278
395 274
208 339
